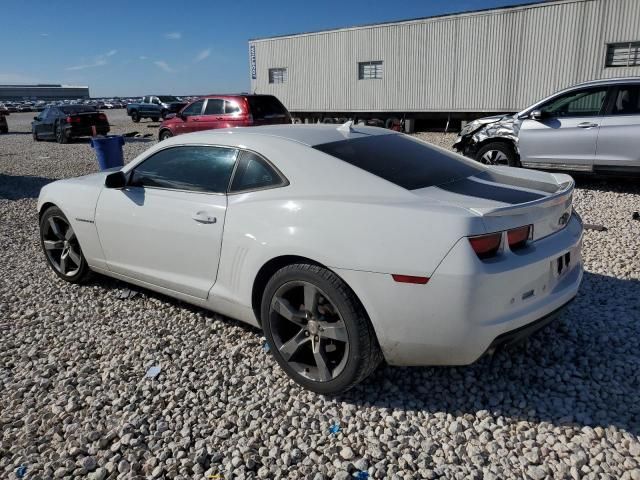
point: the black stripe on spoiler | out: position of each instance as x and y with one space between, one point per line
490 192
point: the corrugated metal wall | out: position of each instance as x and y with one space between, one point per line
498 60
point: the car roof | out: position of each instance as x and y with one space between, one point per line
306 134
608 81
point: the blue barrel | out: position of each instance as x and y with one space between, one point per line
109 151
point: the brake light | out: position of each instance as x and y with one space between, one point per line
486 246
410 279
517 237
102 117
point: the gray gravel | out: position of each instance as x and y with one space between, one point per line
74 401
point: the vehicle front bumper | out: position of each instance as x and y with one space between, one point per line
469 304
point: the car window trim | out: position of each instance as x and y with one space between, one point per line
204 109
131 171
284 181
615 89
201 114
600 113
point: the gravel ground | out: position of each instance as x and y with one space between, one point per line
74 401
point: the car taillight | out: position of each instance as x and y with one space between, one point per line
71 119
517 237
410 279
486 246
102 117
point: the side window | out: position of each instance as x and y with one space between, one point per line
145 100
580 103
155 100
231 107
254 172
194 168
214 107
194 109
627 101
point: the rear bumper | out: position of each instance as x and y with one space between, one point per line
469 304
85 131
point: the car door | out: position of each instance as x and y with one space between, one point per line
40 124
213 114
165 228
566 134
191 118
619 136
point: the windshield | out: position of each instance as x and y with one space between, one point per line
168 99
403 160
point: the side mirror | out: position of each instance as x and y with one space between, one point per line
116 180
535 115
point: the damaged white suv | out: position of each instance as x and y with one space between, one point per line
591 127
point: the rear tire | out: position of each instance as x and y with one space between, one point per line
61 137
498 153
155 119
135 117
327 347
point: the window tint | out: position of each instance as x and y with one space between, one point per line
402 160
627 101
194 109
266 106
231 107
196 168
215 106
370 70
253 172
77 108
581 103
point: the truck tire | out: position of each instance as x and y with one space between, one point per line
392 123
135 116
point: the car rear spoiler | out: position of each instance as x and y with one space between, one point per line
564 195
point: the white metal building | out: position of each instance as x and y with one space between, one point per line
498 60
43 92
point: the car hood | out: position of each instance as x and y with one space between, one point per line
502 126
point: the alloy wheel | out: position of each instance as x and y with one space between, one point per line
494 157
61 246
308 331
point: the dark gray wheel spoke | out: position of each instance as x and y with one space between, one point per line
334 331
54 228
311 298
63 263
324 374
69 234
53 244
286 310
75 258
289 348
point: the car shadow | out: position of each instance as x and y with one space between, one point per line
608 183
18 187
583 369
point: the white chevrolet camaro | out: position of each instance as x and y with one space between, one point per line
346 245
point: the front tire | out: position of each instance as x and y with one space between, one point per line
317 329
498 153
61 137
165 134
61 248
135 117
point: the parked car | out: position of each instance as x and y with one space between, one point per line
154 107
63 123
592 127
324 237
4 127
225 111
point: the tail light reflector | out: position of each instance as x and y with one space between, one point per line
518 237
410 279
71 119
486 246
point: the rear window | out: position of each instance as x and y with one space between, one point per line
266 106
402 160
77 108
168 99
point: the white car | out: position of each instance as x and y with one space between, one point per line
346 245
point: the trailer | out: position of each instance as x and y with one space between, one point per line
441 71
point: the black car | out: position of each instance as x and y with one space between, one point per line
64 122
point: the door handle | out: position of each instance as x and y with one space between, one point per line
587 125
204 217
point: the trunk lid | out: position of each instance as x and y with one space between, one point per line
87 119
508 198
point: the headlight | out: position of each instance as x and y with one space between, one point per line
477 124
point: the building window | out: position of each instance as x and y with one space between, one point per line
625 54
369 70
277 75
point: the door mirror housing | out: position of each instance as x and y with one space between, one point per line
116 180
536 115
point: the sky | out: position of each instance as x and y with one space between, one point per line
130 48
